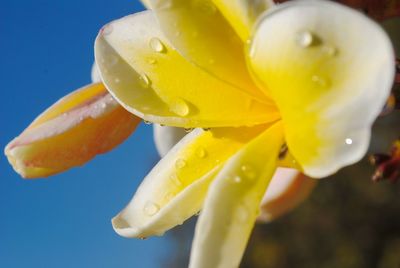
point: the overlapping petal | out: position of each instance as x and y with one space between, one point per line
330 70
288 189
152 80
175 188
71 132
232 202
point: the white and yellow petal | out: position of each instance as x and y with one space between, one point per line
152 80
232 202
175 188
330 70
75 129
166 137
288 189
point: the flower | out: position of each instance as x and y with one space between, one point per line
309 75
296 85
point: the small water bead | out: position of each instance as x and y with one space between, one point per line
242 214
304 39
103 105
147 122
107 29
151 208
322 82
248 171
330 50
175 179
201 152
348 141
157 45
152 61
180 163
180 107
236 179
188 129
144 81
117 80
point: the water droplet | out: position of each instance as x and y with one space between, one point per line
201 152
103 105
248 171
180 163
188 129
144 81
157 45
117 80
322 82
330 50
242 214
349 141
206 128
236 179
147 122
152 61
304 39
175 179
180 107
151 208
107 29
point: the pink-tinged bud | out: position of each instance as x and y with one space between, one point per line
287 189
71 132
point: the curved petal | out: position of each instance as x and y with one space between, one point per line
330 70
71 132
233 200
175 188
166 137
153 81
243 14
288 189
95 74
199 32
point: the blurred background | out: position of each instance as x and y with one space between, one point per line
47 51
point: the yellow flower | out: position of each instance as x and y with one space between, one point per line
312 75
296 85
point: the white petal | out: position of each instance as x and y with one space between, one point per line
166 137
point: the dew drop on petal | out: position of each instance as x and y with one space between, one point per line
236 179
201 152
304 39
188 129
107 29
151 208
144 81
147 122
180 107
242 214
320 81
157 45
248 171
180 163
330 50
117 80
175 179
103 105
348 141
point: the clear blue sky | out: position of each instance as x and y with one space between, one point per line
46 52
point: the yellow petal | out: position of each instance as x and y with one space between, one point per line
199 32
243 14
153 81
330 70
71 132
174 190
232 202
288 189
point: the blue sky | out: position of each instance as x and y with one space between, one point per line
46 52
